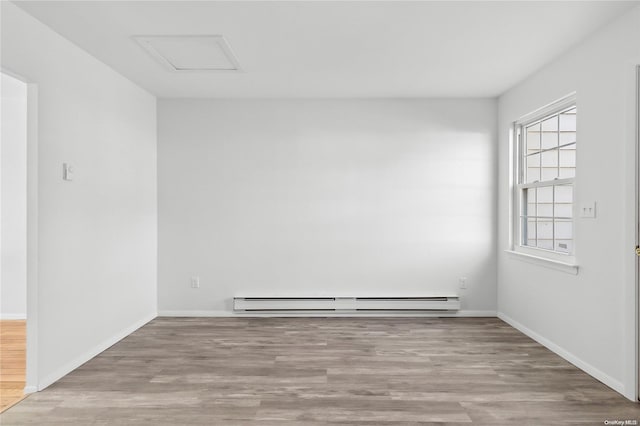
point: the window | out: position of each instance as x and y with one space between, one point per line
545 173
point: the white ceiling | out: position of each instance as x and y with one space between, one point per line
335 48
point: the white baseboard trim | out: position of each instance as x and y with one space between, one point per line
92 352
186 313
573 359
13 316
30 389
472 314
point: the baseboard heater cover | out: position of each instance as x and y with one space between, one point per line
341 304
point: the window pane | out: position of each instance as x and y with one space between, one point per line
545 194
533 168
545 209
534 176
564 193
568 137
529 202
531 228
533 138
549 173
529 232
549 162
544 233
550 158
567 172
563 206
568 121
563 210
567 158
563 230
545 204
550 124
567 163
549 139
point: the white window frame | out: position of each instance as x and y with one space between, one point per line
550 258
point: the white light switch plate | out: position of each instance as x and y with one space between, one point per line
588 210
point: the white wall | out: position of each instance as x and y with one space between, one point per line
97 235
13 190
335 197
589 317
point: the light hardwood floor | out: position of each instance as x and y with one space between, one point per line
12 362
320 371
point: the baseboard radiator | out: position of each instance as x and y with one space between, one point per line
345 304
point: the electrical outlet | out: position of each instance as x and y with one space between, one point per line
67 171
463 283
195 282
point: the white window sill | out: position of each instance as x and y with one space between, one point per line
569 268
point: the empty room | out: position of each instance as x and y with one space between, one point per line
319 212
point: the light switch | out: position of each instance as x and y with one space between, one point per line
588 210
67 171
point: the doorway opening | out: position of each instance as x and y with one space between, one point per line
13 239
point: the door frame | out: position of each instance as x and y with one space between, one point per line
31 379
637 229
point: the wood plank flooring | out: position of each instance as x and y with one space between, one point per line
324 371
12 362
